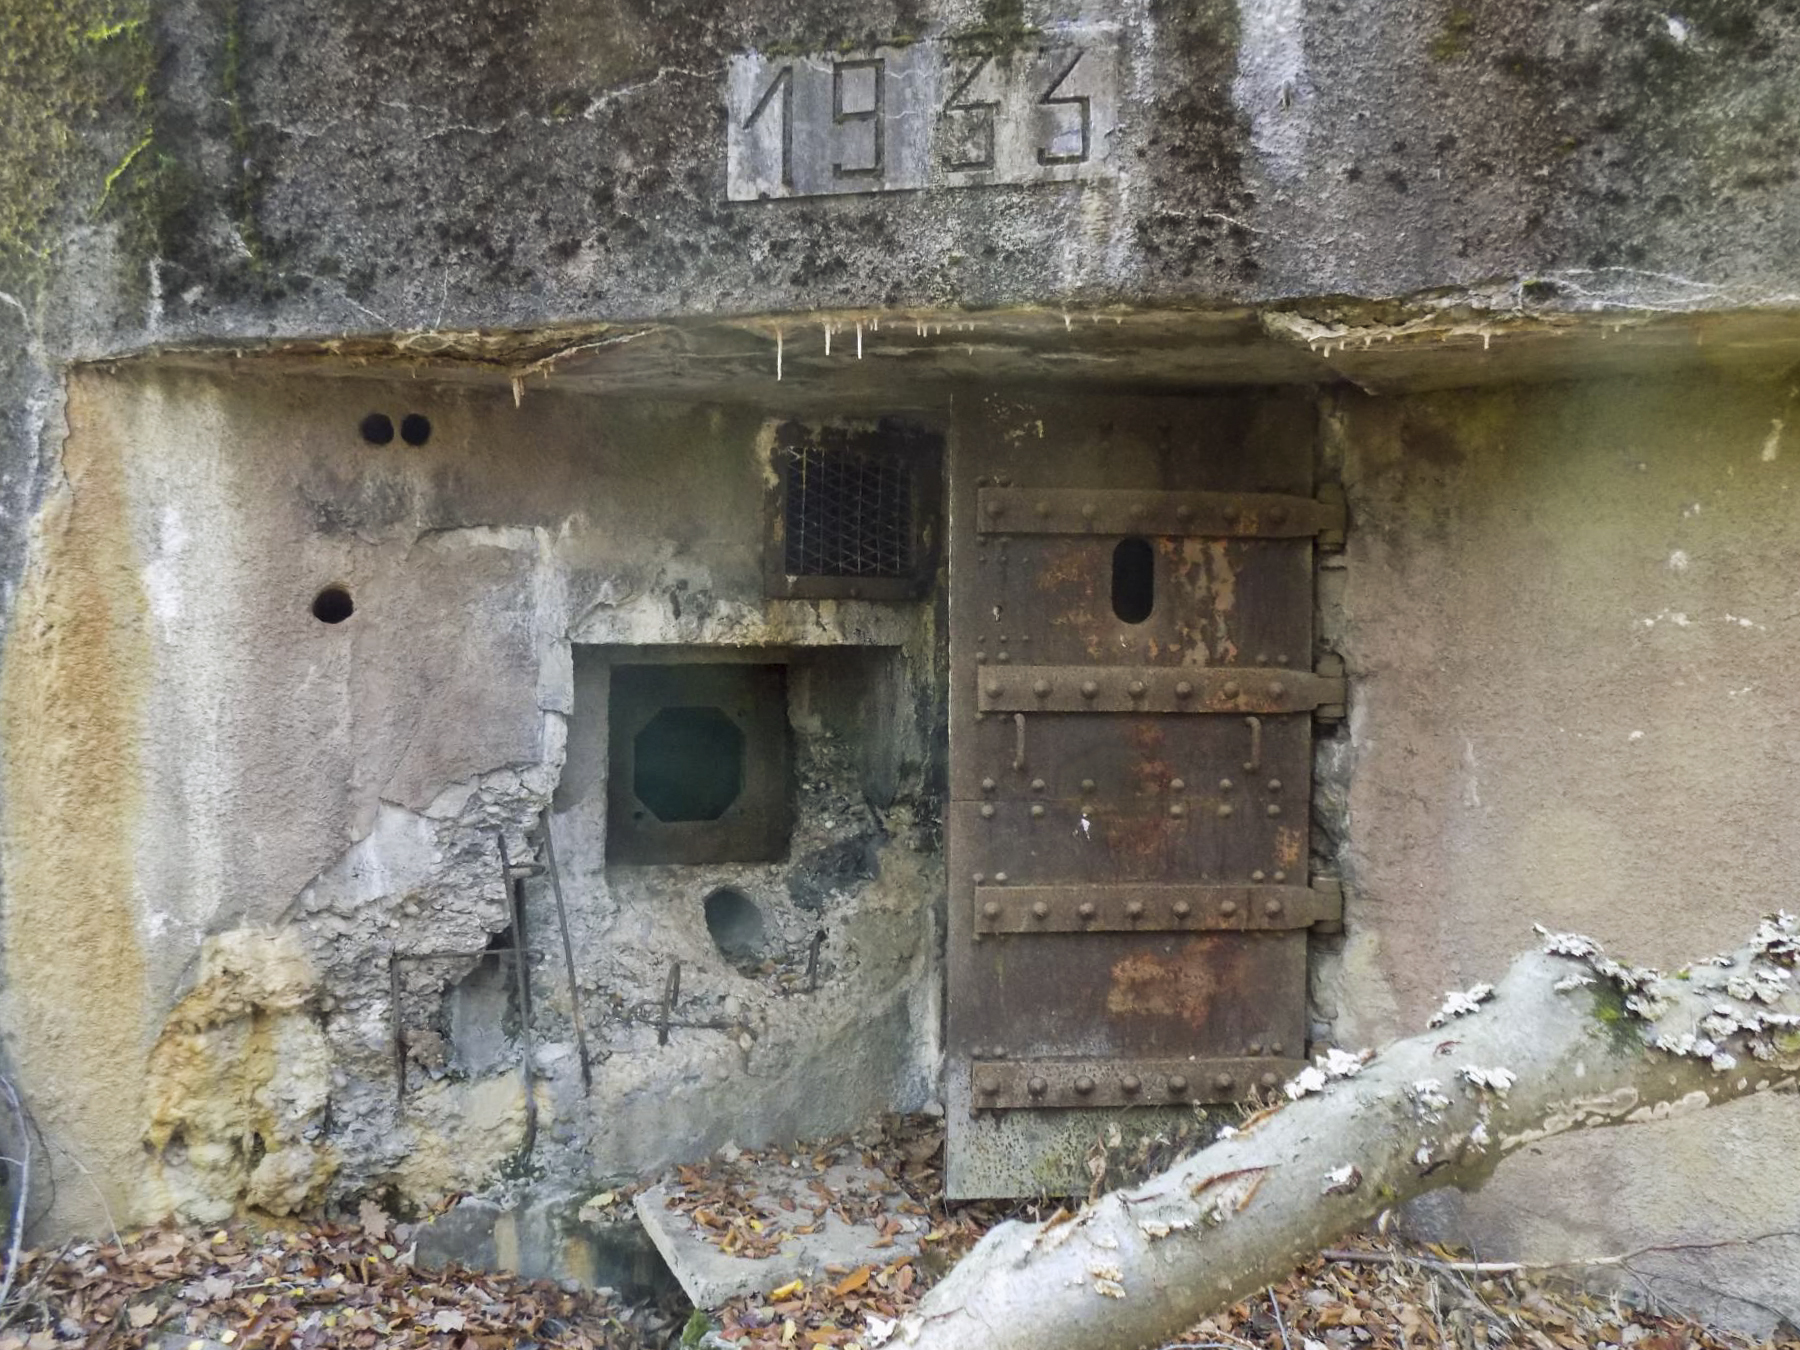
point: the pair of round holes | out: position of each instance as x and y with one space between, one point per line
378 428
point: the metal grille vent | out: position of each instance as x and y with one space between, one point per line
853 510
849 512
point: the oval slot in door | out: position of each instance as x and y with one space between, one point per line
1133 580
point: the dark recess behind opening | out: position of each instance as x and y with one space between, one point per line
712 727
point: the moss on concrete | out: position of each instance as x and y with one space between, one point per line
1624 1028
74 95
1452 40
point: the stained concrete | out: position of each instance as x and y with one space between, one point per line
546 1232
1566 610
326 166
242 768
1569 616
454 208
71 702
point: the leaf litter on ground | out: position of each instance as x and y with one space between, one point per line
251 1287
353 1284
1394 1296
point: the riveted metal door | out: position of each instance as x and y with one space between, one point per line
1132 695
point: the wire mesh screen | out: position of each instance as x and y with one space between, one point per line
849 511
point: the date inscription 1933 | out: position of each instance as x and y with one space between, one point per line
928 114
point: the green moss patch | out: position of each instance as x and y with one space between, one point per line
1453 40
1624 1028
72 73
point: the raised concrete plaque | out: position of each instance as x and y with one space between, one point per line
929 114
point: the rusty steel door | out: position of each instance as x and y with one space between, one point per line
1133 688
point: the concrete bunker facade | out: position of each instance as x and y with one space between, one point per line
336 606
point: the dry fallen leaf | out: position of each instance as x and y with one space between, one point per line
374 1219
853 1281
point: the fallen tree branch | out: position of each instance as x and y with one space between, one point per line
1280 1323
1569 1040
1426 1263
1528 1267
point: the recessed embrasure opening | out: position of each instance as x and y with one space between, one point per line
735 922
415 428
377 428
1133 580
333 605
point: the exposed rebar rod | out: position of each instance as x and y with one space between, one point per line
671 996
396 989
515 889
562 922
399 1031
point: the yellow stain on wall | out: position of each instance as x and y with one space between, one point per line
238 1086
72 693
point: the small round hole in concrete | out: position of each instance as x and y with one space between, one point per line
415 428
333 605
736 924
377 428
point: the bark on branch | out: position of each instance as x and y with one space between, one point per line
1570 1040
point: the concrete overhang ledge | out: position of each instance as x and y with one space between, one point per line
919 355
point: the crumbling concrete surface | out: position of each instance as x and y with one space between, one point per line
238 1084
269 845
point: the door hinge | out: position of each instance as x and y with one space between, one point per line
1111 511
1015 1084
1247 908
1159 689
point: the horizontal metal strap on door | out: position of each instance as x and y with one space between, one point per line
1109 511
1014 1084
1157 689
1250 908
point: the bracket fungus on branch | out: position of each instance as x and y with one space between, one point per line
1570 1039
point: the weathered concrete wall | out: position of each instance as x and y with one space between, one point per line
328 165
224 814
191 757
1563 609
1569 616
